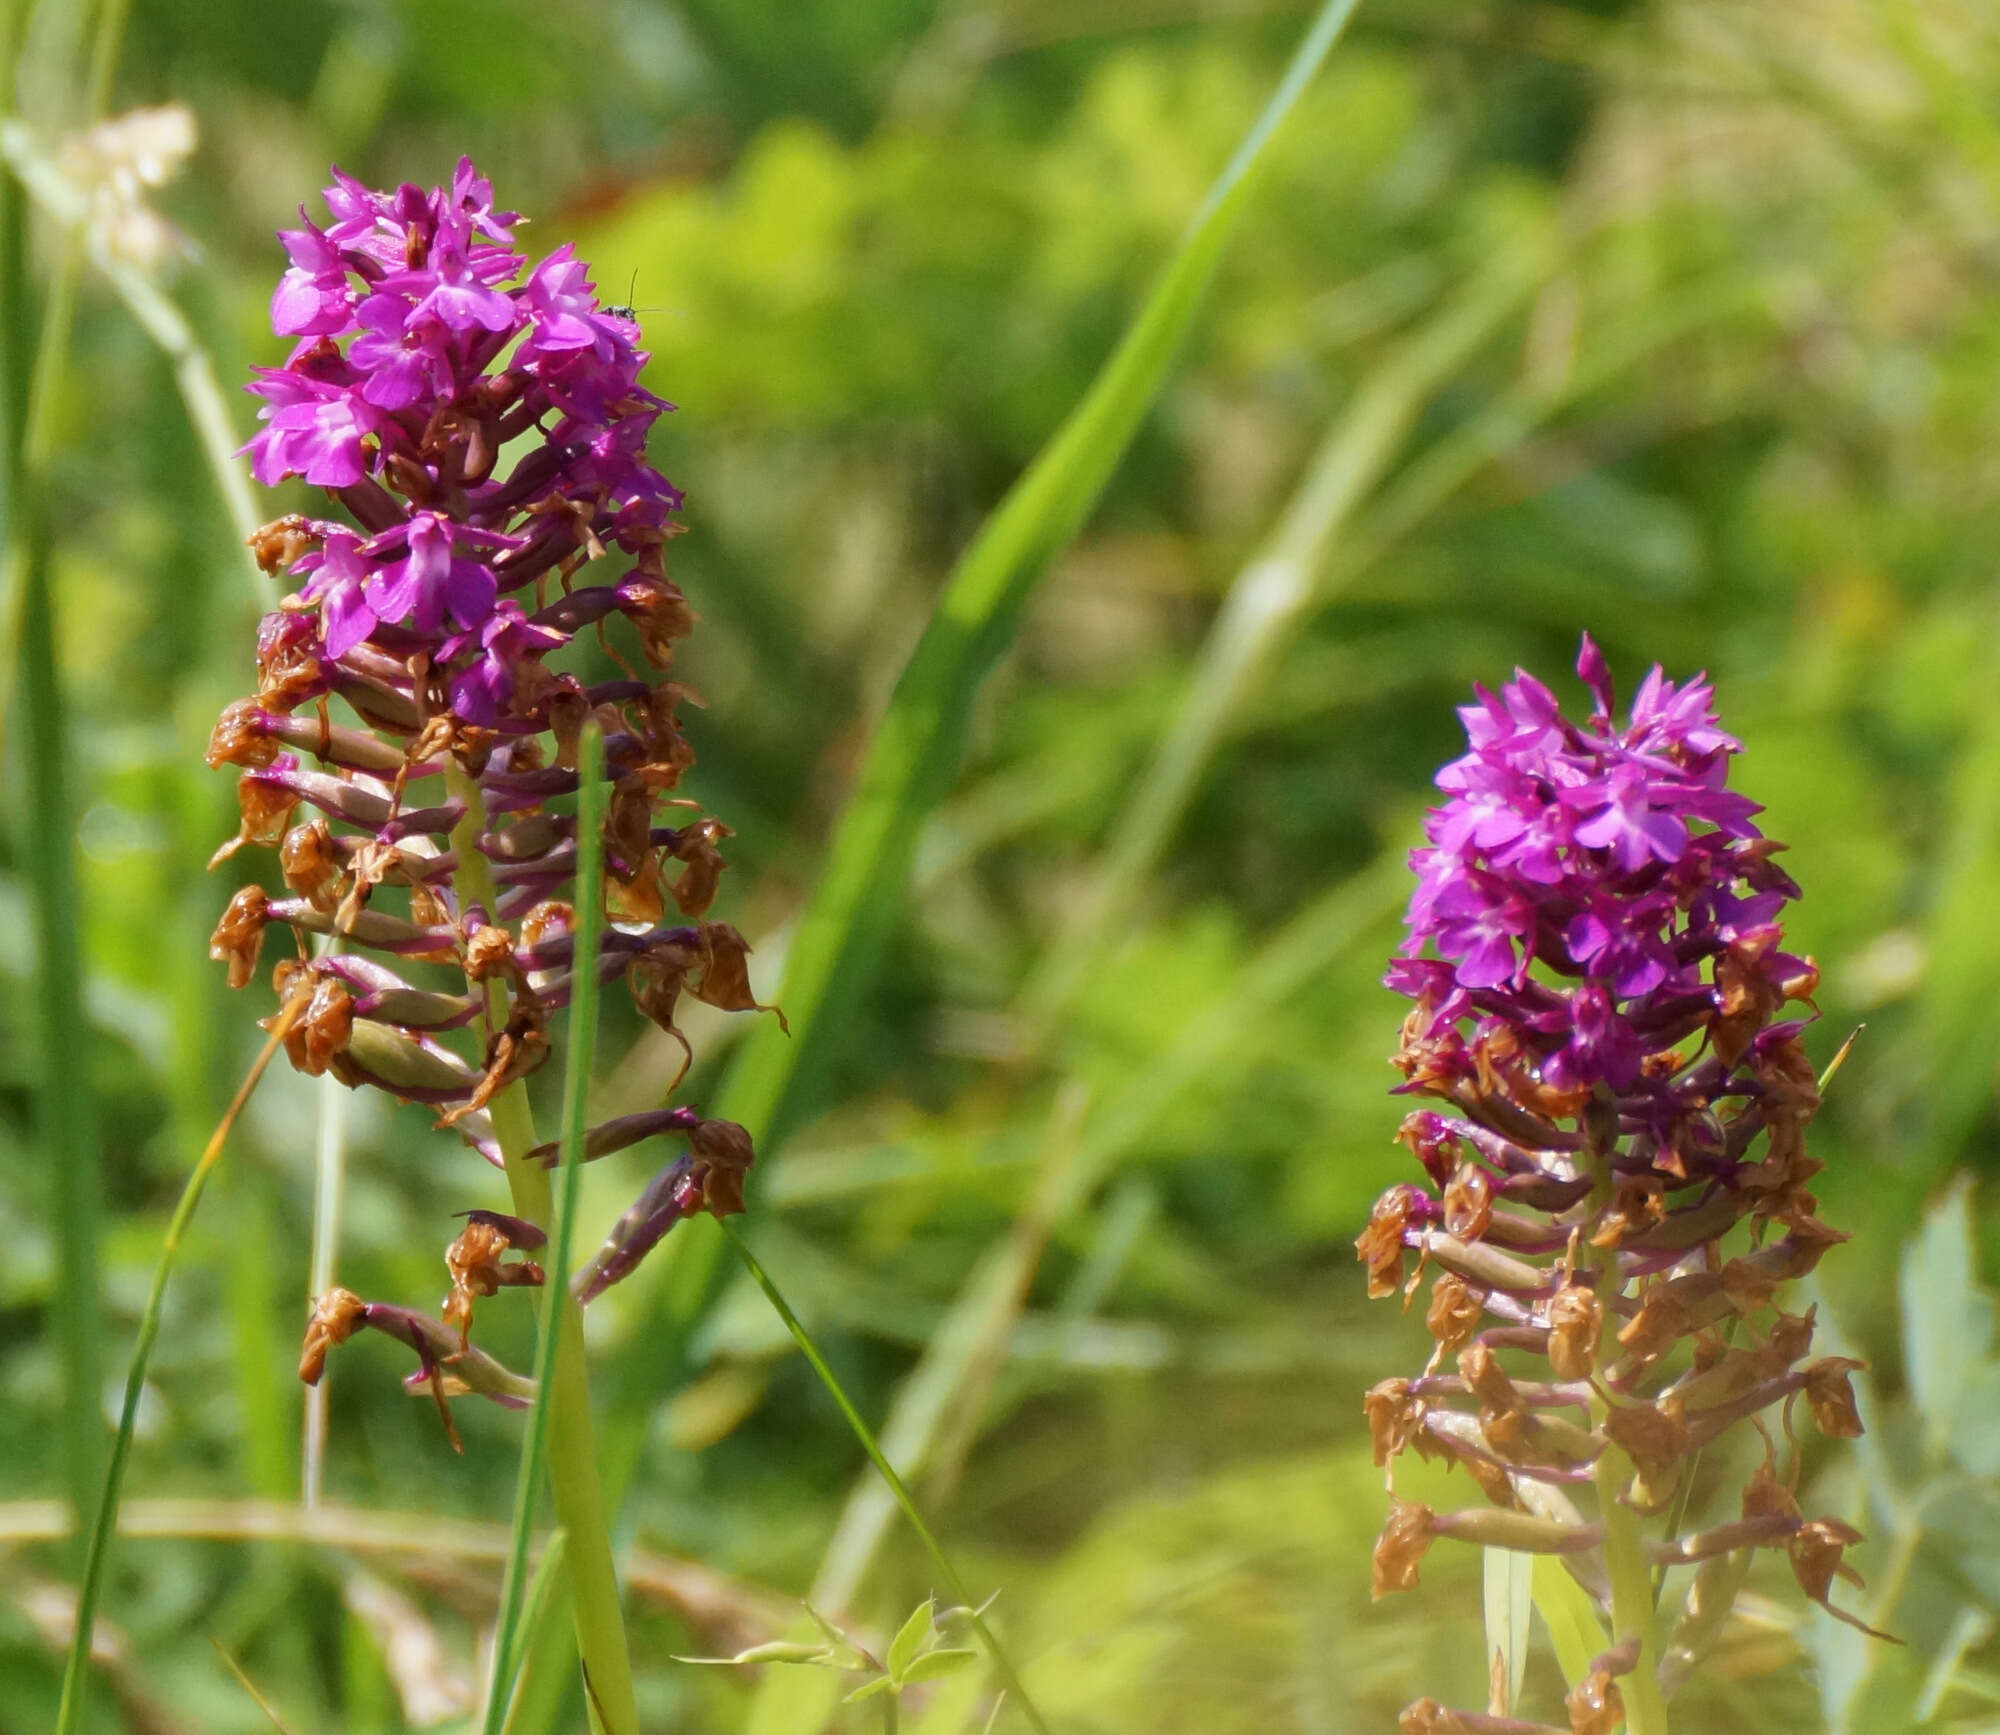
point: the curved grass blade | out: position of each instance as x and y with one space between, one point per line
917 748
541 1649
918 745
1274 595
946 1571
590 804
75 1673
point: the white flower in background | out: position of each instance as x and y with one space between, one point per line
113 166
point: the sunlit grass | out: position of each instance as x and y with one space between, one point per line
1656 321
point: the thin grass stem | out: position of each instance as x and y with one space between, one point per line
917 748
576 1103
546 1592
69 1714
946 1571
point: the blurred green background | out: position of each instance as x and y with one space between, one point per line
1678 321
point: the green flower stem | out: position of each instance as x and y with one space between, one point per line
915 752
1632 1601
1631 1596
572 1447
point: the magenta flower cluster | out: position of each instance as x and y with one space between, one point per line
1583 879
417 319
1603 1007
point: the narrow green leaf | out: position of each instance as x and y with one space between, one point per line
909 1639
534 1656
934 1664
869 1690
1272 598
1575 1631
76 1670
916 749
1947 1318
1509 1577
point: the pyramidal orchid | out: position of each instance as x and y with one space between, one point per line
476 423
1603 1010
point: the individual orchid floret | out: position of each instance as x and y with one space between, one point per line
1603 1010
446 1367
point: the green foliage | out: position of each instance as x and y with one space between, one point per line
1926 1485
1673 322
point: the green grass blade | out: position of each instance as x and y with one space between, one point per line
65 1121
916 750
1574 1626
1272 598
946 1571
1507 1575
590 804
76 1672
917 747
538 1671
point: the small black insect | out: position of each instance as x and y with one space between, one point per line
625 309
